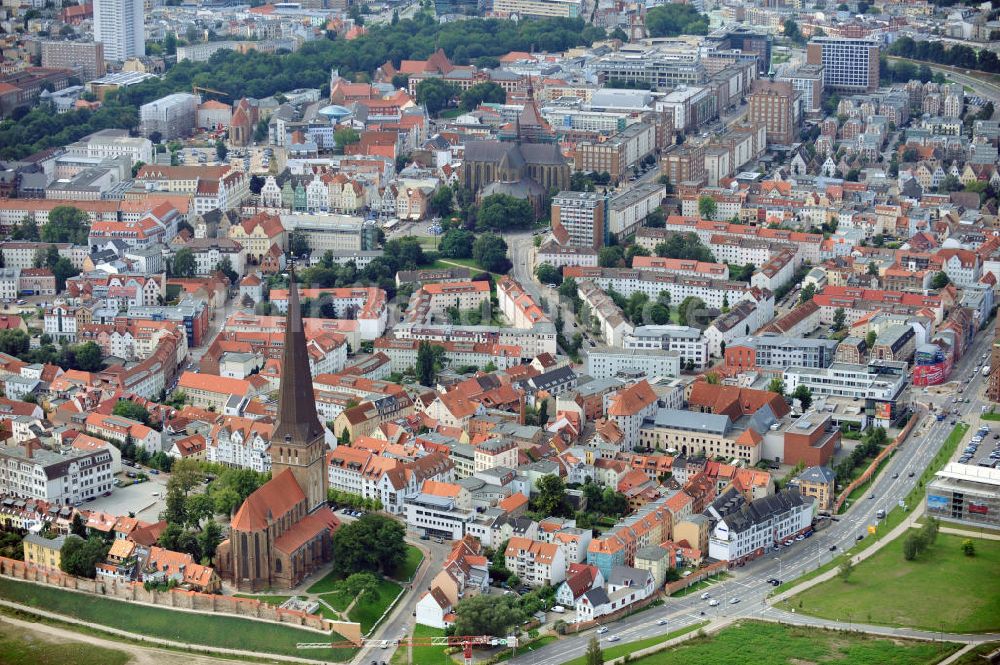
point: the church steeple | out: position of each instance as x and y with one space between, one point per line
296 407
298 443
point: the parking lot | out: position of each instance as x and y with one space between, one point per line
137 499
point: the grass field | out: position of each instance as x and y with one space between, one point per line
424 655
772 644
990 416
620 650
409 568
701 585
897 514
368 613
210 630
327 583
337 600
18 647
975 656
887 589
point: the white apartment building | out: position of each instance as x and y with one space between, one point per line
582 215
607 364
536 563
9 280
745 535
210 252
32 472
688 342
240 443
119 26
627 210
540 338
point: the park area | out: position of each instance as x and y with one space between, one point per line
773 644
941 589
213 630
23 647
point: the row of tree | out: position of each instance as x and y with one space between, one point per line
957 55
85 357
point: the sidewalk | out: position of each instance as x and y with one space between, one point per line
781 616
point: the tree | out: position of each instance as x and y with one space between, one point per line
184 263
435 95
674 20
684 246
66 224
345 136
870 338
372 543
88 357
490 252
940 280
131 410
872 269
595 655
77 526
62 270
26 229
363 586
225 266
777 386
951 183
175 512
611 256
500 212
551 497
547 274
807 292
707 207
845 569
483 93
791 29
488 615
209 539
80 557
426 372
199 507
457 243
911 546
838 319
659 314
298 245
968 547
442 201
689 311
804 395
221 151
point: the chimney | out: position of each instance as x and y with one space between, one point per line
29 448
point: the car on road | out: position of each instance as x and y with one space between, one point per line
910 474
661 622
713 602
833 548
733 601
613 638
895 475
861 536
602 630
705 596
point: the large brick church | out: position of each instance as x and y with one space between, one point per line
282 531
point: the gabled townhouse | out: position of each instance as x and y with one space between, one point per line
536 563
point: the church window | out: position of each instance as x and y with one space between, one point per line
277 565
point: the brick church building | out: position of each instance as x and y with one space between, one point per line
282 532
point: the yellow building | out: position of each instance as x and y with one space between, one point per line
818 482
43 552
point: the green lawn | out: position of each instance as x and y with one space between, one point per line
990 416
368 613
328 582
337 600
895 516
409 568
442 264
218 630
620 650
18 647
887 589
975 656
427 655
527 647
772 644
701 585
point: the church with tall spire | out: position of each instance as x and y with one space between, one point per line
283 530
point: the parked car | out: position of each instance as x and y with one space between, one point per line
602 630
713 602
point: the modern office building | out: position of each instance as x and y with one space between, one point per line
772 104
85 58
118 25
685 340
539 8
775 353
808 80
849 65
966 494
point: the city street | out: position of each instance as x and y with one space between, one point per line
748 583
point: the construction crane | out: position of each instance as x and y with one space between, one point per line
464 641
196 88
